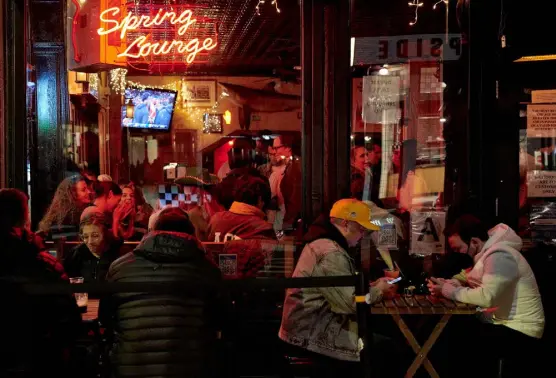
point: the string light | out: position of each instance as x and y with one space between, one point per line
416 4
118 81
258 6
439 2
93 84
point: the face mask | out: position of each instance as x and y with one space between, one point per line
471 250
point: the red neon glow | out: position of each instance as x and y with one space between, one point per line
141 46
76 56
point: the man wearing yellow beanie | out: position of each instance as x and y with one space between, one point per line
323 320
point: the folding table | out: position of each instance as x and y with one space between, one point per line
421 305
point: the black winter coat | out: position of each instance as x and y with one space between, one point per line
163 335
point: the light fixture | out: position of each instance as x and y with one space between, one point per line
228 117
383 71
129 109
535 58
231 143
443 120
81 77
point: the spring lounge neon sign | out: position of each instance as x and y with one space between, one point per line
141 47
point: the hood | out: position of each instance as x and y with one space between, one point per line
322 228
503 235
241 208
170 247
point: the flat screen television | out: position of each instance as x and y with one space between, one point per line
153 108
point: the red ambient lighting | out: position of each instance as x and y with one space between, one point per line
76 56
141 47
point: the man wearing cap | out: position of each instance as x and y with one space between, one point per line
322 320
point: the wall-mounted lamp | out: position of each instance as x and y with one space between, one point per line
81 77
228 117
129 109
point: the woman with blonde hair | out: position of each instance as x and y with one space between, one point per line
72 196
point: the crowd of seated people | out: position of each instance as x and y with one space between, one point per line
175 333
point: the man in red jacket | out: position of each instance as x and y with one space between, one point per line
246 218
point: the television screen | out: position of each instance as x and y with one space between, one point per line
153 108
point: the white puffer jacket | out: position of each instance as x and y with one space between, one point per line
502 282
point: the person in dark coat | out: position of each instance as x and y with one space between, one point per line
38 330
92 258
246 218
164 335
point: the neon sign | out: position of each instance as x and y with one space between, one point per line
142 47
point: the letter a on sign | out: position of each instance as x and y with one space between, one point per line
429 229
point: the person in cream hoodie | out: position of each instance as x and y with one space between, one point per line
501 283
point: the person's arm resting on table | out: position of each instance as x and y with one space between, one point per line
342 299
500 272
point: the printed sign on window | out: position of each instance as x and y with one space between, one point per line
427 232
388 237
541 184
541 121
381 97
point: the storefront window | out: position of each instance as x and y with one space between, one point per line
401 116
154 113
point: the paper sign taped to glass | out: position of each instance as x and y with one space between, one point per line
541 121
427 232
381 99
541 184
543 223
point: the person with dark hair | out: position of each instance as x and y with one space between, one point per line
165 334
62 217
133 195
245 219
241 155
365 173
108 201
38 329
107 197
92 258
284 174
502 284
242 159
174 219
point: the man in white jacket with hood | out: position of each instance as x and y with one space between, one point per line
503 286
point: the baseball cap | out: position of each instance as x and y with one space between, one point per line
354 211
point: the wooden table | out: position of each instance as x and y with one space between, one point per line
92 311
421 305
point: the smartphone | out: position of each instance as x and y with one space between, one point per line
395 280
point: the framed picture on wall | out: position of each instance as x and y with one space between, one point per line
198 93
